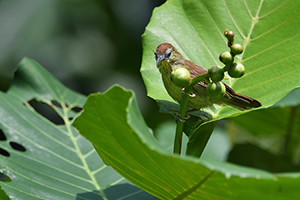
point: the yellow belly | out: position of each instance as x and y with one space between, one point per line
201 100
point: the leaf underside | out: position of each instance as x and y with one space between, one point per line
45 160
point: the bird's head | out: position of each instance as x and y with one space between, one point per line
165 52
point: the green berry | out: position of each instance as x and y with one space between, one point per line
216 73
236 70
236 49
216 90
181 77
226 57
229 35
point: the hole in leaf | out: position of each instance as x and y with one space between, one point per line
17 146
3 152
77 109
56 104
4 178
2 135
46 111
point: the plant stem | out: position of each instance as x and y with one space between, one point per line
180 123
182 112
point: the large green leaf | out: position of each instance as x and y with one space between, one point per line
52 161
268 30
114 125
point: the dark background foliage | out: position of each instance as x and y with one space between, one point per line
88 45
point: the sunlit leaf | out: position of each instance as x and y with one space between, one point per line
268 30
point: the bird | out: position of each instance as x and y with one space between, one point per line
168 59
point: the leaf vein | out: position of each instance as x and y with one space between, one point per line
271 47
263 16
276 27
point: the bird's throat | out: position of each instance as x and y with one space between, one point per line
165 67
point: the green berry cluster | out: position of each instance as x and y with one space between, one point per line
216 88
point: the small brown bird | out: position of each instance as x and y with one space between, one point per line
168 59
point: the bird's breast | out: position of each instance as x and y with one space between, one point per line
172 89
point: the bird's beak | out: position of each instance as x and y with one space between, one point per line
160 58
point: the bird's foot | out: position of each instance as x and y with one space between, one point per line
182 120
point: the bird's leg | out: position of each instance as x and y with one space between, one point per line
186 116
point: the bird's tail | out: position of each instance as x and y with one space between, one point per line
243 102
240 101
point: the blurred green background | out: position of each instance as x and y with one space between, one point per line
87 45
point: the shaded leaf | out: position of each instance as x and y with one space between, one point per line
46 160
3 196
280 122
199 139
252 156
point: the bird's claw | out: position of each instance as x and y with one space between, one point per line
182 120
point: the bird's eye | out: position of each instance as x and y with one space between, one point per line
168 53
